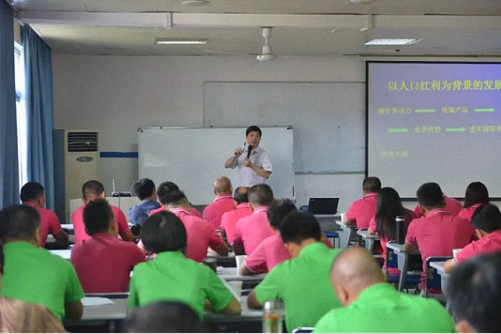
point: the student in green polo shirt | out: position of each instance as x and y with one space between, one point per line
302 282
373 306
33 274
173 277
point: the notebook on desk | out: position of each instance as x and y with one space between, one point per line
323 206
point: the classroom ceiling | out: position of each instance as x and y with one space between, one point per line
465 28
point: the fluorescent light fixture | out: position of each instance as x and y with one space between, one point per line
180 41
395 41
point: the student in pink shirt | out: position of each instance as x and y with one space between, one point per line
389 207
487 223
103 262
362 210
452 205
33 194
201 234
476 195
439 231
251 230
92 190
222 203
229 219
163 190
271 251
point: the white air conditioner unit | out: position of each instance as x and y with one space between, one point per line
80 163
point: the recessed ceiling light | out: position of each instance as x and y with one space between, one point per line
393 41
180 41
195 3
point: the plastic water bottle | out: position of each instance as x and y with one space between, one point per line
273 311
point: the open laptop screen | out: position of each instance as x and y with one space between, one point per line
323 206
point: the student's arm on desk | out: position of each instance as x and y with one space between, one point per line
61 237
233 307
127 235
252 301
221 250
449 265
73 311
350 223
409 248
238 249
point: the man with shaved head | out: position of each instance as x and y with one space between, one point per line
222 203
372 305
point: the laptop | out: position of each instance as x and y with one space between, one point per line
323 206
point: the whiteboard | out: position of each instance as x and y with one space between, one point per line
328 118
194 157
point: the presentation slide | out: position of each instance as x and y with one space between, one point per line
434 122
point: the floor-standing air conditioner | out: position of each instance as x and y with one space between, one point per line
76 160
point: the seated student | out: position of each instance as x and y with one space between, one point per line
222 203
90 191
33 194
164 317
251 230
302 282
474 294
173 277
33 274
145 191
103 262
439 231
362 210
229 219
487 222
451 205
163 190
271 251
201 234
17 316
373 306
389 206
476 195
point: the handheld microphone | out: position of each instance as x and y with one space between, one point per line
249 150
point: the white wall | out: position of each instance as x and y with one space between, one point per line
115 95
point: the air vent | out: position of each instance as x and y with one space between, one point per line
82 141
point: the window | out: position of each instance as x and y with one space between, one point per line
21 112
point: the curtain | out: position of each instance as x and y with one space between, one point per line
38 76
9 173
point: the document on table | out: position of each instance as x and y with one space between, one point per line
96 301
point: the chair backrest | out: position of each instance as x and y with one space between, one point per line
303 330
433 281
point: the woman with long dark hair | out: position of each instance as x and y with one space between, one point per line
476 195
389 206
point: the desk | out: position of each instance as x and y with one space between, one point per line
224 261
439 265
347 234
102 314
64 253
369 239
230 274
403 261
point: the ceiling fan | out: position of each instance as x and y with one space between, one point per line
265 56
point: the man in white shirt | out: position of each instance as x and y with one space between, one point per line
254 167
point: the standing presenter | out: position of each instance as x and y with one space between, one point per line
253 162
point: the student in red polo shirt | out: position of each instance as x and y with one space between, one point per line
487 222
33 194
163 190
103 262
271 251
253 229
201 234
92 190
476 195
222 203
439 231
362 210
229 219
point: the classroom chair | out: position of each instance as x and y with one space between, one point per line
412 279
433 281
